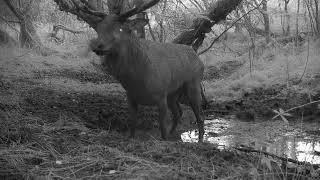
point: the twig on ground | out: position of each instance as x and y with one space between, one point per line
318 101
275 156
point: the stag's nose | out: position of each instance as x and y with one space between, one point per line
98 48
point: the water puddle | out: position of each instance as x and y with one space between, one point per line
273 136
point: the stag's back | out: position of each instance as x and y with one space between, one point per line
170 65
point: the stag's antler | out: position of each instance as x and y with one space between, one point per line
88 10
82 9
124 15
137 10
93 12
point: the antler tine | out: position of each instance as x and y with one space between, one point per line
137 10
95 13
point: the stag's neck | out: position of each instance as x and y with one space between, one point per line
129 58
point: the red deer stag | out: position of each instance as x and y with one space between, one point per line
152 73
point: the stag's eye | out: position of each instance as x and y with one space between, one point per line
100 46
120 30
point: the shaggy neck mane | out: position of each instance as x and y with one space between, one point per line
129 57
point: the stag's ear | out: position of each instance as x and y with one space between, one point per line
137 23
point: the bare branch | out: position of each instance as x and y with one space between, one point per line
137 10
215 13
79 8
286 159
197 4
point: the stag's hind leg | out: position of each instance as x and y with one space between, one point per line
163 114
193 89
175 109
133 109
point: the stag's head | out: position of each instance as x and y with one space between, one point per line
112 28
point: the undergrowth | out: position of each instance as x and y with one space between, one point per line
275 66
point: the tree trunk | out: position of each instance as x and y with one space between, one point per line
311 7
238 26
140 31
247 22
287 22
7 39
316 4
297 24
266 20
162 37
28 36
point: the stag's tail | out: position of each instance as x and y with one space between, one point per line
183 98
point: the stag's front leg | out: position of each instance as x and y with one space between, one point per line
163 116
133 109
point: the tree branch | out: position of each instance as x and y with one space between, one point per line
79 8
217 12
14 10
216 39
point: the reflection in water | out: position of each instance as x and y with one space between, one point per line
302 149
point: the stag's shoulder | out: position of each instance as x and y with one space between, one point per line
165 45
169 49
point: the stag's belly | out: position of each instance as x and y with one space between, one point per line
137 90
143 99
149 93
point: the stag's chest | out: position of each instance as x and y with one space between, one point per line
138 90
